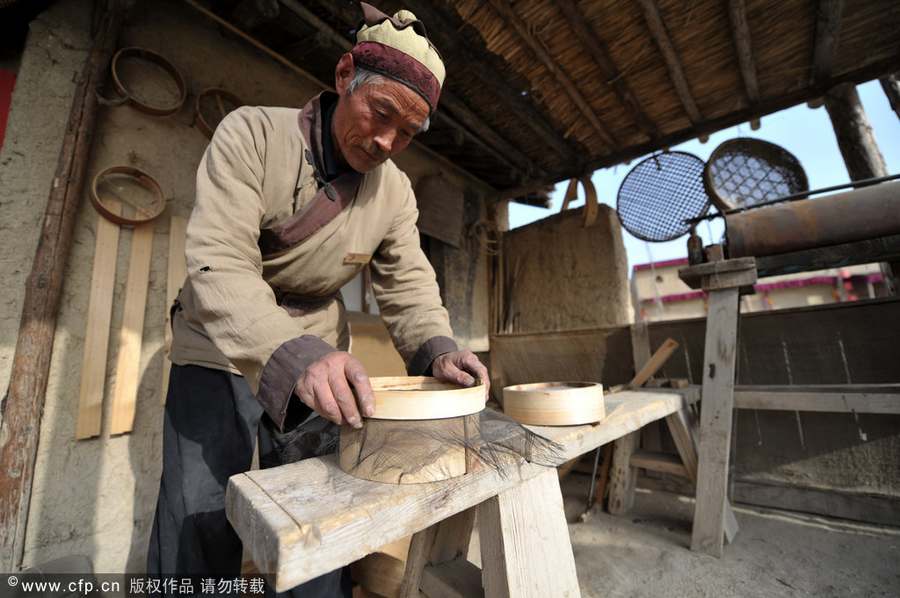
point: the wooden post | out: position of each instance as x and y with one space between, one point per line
891 86
715 421
24 401
859 148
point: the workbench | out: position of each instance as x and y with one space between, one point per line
304 519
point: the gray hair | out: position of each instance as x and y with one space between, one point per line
366 77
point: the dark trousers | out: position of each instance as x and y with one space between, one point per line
211 423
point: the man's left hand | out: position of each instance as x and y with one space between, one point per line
461 367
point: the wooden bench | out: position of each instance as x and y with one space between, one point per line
302 520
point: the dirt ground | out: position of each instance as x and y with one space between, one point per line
776 553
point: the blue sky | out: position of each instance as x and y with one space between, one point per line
805 132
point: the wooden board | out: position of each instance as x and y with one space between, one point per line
555 403
96 338
175 276
715 423
882 399
371 344
128 360
307 518
525 547
424 398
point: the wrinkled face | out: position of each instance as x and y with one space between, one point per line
376 121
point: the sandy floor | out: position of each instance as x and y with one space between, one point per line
775 554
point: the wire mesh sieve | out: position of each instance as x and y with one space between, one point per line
660 193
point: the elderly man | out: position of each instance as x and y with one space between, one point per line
290 206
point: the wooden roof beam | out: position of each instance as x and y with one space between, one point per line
660 35
505 10
496 146
828 29
740 32
589 38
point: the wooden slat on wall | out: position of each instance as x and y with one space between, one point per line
96 339
128 360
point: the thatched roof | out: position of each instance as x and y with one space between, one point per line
540 90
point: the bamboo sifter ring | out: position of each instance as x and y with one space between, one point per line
154 58
422 397
555 403
223 100
142 214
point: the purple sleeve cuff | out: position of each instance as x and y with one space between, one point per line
420 364
280 374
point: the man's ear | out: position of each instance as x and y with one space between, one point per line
343 73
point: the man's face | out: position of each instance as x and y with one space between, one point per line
377 121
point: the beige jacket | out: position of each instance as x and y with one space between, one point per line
269 247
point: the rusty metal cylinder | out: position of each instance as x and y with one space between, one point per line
856 215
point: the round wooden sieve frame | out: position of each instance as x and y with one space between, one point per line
423 397
555 403
201 123
158 59
144 180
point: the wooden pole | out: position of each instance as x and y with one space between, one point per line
891 86
24 401
858 147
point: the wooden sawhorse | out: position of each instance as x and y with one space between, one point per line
302 520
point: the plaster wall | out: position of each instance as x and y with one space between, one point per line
95 497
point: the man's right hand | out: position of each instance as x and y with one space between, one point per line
325 387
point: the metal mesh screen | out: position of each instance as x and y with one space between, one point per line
746 172
660 193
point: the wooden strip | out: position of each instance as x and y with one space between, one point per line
525 547
419 549
659 359
656 461
715 423
740 31
822 401
673 63
128 360
828 30
96 338
175 276
308 518
508 13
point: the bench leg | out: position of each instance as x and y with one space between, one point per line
525 546
715 422
683 426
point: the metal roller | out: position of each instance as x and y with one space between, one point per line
856 215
